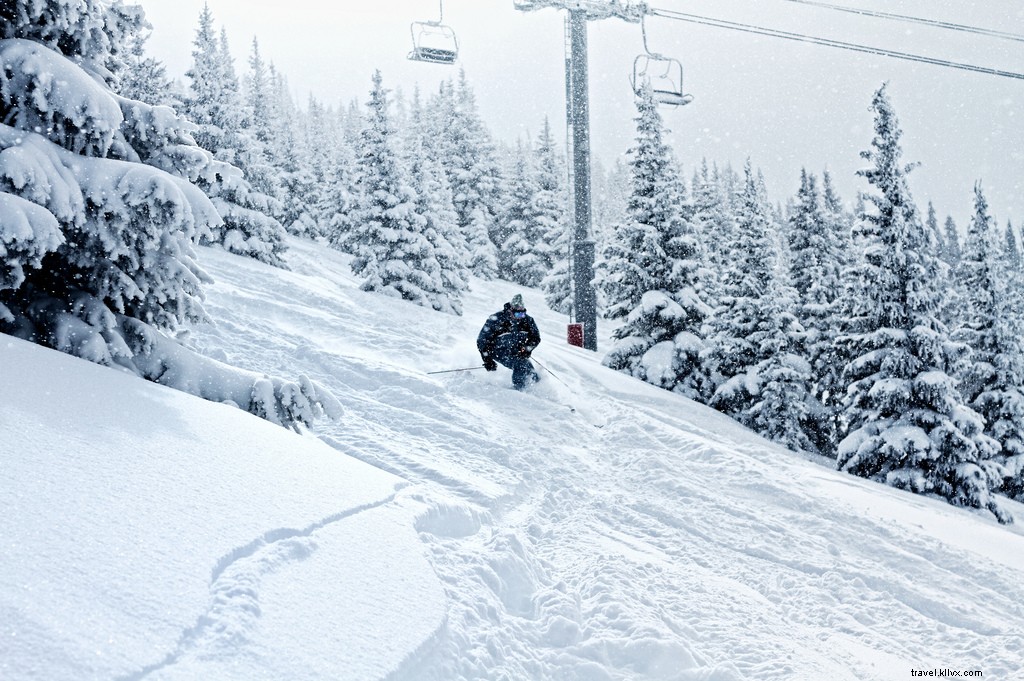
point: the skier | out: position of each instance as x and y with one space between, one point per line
509 337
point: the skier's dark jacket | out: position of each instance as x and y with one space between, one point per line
501 323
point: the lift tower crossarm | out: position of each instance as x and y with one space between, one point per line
592 9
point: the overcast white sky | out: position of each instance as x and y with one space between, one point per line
783 104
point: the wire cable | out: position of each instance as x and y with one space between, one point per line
914 20
827 42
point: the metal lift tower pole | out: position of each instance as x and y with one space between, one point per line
585 300
581 245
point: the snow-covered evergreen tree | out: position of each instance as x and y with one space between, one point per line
551 203
840 220
758 377
952 298
1011 248
951 242
552 213
141 77
434 204
610 190
517 257
931 223
258 124
712 216
339 192
391 252
993 326
98 216
319 132
89 241
559 293
216 106
469 158
638 259
909 425
653 268
288 152
535 212
815 266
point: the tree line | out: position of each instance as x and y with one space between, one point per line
873 336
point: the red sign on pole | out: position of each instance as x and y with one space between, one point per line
575 335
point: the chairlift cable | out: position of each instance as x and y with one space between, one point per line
827 42
915 20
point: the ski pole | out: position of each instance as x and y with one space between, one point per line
552 373
448 371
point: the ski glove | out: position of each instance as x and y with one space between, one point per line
489 364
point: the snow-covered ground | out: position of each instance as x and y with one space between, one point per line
448 527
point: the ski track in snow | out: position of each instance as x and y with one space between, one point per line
552 531
234 608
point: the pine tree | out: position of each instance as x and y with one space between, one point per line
952 294
258 124
535 215
638 259
815 267
1012 250
758 378
951 243
208 106
468 155
932 225
216 107
391 252
551 202
611 198
434 203
653 266
712 216
141 77
289 153
993 326
839 220
551 211
339 192
909 426
92 245
518 259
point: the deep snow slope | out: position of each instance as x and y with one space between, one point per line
145 533
641 536
592 528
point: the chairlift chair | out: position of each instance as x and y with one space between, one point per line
665 75
433 41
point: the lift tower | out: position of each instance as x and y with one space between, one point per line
578 122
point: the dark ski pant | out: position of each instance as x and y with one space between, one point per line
506 353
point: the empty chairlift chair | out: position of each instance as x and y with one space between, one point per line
434 42
664 74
